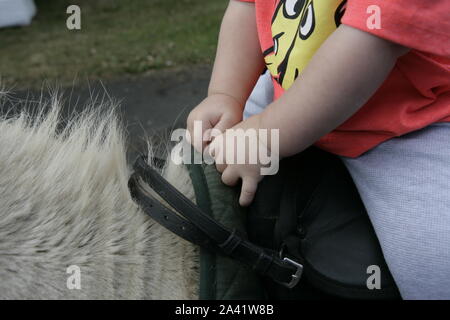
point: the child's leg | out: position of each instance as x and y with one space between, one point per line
405 186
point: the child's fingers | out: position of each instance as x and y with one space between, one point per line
198 133
207 136
230 177
248 190
224 123
208 158
221 167
215 150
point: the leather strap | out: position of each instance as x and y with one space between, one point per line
190 223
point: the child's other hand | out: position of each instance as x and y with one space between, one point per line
218 111
232 168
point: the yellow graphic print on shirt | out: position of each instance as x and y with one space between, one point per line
299 27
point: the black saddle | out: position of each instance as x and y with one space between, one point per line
306 235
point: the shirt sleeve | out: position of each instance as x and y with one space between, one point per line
417 24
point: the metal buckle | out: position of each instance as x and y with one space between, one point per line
299 268
296 276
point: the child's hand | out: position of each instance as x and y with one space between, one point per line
232 170
217 111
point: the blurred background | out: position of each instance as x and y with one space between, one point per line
153 56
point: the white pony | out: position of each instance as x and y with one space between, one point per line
66 211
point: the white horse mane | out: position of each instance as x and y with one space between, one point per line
64 201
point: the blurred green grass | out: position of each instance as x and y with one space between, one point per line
117 38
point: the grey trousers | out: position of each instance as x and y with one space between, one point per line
405 186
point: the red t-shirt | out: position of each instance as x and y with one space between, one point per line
417 91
